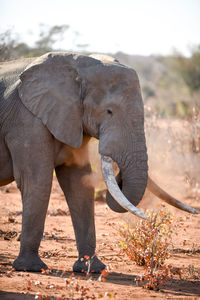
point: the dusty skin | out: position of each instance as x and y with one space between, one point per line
58 248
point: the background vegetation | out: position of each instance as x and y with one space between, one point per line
170 85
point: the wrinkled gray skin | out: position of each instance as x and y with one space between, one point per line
49 109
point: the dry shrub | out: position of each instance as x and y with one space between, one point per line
149 244
196 130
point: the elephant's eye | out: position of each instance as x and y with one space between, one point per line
109 111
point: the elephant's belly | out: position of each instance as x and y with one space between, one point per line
5 182
6 169
71 156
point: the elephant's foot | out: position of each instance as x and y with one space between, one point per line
30 263
93 265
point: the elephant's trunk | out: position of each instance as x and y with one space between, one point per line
132 179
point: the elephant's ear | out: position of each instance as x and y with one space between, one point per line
50 89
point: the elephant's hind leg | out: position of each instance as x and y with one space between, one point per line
80 199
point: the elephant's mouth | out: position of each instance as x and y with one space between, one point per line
115 191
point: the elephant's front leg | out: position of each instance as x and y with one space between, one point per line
33 171
80 199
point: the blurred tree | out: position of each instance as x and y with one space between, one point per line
148 92
189 69
7 44
49 36
11 48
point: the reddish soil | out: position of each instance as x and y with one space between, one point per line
58 250
175 166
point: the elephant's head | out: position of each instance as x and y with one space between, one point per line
113 113
75 95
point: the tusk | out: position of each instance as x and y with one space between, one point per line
108 174
156 190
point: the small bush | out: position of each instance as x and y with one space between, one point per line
149 245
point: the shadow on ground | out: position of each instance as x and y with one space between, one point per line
174 286
15 296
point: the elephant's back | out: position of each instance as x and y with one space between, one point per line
17 66
9 78
10 71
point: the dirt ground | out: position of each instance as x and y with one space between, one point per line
58 250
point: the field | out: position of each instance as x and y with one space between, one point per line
174 163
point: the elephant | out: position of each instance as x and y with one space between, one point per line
50 107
